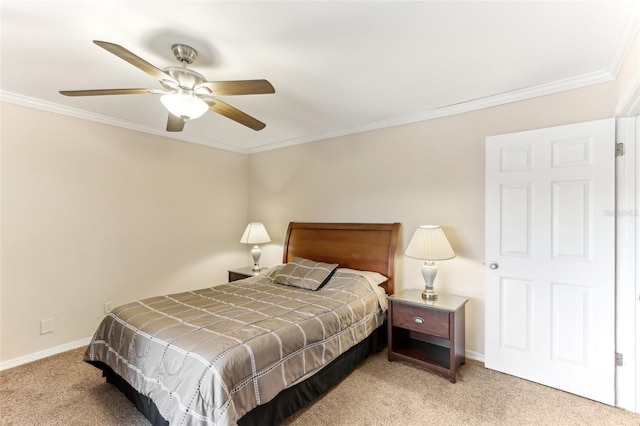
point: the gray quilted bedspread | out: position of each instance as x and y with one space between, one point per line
207 357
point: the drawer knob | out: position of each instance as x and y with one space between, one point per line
418 320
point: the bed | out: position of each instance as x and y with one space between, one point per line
254 351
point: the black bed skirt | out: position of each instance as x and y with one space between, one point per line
286 402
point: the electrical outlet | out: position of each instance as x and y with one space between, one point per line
107 307
46 326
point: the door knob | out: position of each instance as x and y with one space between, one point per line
493 265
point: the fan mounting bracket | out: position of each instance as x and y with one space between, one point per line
184 54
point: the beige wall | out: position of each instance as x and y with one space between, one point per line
94 213
430 172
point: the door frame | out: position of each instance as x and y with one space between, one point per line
627 375
628 252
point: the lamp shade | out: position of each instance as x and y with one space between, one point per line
184 105
429 243
255 233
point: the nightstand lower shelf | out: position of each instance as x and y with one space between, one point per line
427 355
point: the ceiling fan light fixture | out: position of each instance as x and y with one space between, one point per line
186 94
184 105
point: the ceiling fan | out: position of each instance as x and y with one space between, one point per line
186 94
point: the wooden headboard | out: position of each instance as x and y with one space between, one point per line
363 246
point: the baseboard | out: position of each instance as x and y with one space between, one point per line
476 356
43 354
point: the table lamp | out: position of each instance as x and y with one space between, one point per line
429 243
255 234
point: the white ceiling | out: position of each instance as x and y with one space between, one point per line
338 67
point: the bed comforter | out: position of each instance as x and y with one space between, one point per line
209 356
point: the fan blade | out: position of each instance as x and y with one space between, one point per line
239 87
135 60
175 124
236 115
100 92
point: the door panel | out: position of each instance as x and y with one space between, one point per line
515 324
570 228
550 301
515 211
570 306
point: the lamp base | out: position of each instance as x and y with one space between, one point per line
429 294
255 253
429 271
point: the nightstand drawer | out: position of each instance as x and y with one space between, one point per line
428 321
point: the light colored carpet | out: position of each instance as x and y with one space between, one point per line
63 390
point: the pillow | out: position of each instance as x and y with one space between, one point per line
304 273
375 278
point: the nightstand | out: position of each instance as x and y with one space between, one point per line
427 333
241 273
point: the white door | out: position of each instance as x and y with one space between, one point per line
550 239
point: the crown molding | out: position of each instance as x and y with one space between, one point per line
55 108
459 108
